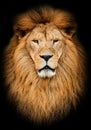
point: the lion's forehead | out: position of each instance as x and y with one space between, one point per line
44 32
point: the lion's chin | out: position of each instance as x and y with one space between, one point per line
46 72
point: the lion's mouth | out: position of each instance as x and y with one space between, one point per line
46 71
46 68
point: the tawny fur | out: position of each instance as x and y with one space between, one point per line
44 98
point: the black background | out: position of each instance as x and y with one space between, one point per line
78 119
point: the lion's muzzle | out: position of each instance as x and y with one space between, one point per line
46 71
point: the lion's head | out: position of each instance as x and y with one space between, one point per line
44 64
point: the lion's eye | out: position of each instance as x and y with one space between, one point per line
54 41
36 41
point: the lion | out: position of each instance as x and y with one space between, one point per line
44 64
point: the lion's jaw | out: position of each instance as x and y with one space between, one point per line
45 46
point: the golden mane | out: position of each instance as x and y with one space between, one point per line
44 98
28 20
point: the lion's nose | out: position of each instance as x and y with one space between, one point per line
46 57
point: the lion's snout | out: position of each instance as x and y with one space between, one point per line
46 57
47 70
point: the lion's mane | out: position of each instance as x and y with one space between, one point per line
44 98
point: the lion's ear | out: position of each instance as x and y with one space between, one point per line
22 25
19 32
69 31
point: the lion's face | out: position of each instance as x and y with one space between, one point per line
45 46
45 64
